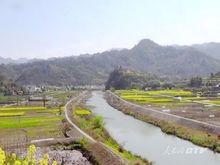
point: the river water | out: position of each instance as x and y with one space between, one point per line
147 140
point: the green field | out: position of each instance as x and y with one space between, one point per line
173 92
167 97
10 114
61 95
34 121
27 122
22 108
24 117
154 97
10 98
80 111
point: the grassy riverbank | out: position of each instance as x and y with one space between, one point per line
197 137
94 126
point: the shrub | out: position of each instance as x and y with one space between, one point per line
30 158
97 122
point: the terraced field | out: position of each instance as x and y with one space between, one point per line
167 96
32 120
179 102
10 99
154 97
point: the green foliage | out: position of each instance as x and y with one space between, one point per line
152 84
30 158
2 156
125 79
172 92
82 112
27 122
97 122
198 137
22 108
155 97
83 141
94 125
9 87
195 82
10 114
6 99
27 116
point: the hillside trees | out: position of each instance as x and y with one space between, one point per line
127 79
195 82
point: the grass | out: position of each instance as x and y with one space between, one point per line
10 98
198 137
27 122
82 112
61 95
23 108
211 101
10 114
37 121
94 126
144 97
167 98
172 92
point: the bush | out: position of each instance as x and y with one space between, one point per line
30 158
97 122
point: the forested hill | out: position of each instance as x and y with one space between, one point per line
145 57
212 49
8 87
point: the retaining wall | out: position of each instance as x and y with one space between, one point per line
121 104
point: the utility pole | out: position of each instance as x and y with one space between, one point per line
44 100
17 100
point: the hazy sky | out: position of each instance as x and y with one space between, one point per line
48 28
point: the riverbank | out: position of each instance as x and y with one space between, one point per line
102 153
94 126
198 137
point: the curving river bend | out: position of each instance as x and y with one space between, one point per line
147 140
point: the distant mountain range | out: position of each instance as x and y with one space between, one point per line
15 61
146 57
212 49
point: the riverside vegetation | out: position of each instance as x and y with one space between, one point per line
200 138
94 126
29 159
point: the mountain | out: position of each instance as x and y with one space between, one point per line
126 79
15 61
212 49
12 61
145 57
8 87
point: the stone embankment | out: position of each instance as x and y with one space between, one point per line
120 104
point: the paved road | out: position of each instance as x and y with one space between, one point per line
69 120
116 158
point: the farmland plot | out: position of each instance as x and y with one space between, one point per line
178 102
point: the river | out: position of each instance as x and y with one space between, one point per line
147 140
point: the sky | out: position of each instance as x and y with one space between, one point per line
57 28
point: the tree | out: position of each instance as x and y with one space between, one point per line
195 82
153 84
118 80
168 85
